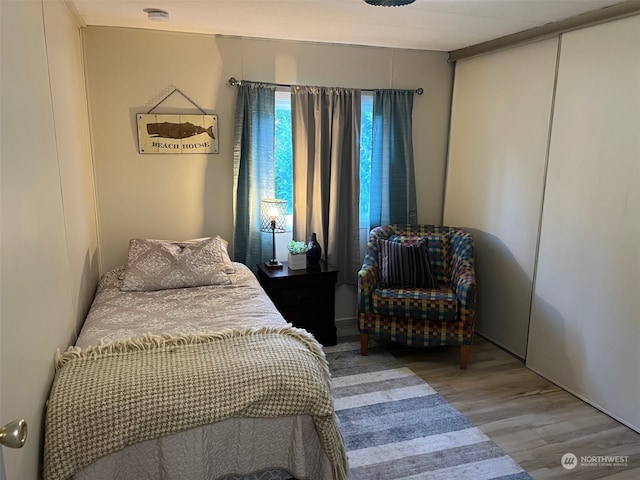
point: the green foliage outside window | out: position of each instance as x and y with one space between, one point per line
283 161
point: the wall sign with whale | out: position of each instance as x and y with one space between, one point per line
177 133
171 133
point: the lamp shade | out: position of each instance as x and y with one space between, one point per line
273 209
389 3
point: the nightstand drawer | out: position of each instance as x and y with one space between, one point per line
301 298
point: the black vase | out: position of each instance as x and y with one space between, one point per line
315 251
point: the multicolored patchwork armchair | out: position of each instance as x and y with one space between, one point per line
421 317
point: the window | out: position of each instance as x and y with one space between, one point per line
283 152
366 147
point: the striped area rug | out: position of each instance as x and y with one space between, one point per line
396 426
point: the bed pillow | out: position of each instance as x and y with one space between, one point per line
404 264
159 264
228 264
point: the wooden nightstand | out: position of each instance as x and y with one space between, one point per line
305 298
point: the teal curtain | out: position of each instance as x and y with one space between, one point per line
393 187
253 172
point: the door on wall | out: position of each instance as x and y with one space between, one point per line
2 474
499 130
584 329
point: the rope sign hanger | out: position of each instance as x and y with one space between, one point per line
176 89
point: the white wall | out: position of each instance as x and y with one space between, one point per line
499 129
186 196
49 240
585 318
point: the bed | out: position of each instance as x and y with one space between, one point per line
184 369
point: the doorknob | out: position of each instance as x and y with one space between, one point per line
14 434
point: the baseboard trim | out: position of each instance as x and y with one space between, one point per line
635 428
499 344
353 320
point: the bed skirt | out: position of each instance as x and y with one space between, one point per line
236 448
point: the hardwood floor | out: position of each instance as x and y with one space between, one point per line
530 418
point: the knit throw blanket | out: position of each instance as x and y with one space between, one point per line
107 397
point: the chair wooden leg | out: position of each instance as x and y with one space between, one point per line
464 356
364 344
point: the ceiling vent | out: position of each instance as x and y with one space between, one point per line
157 14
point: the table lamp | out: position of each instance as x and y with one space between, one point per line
272 215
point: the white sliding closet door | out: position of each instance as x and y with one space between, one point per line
585 318
498 147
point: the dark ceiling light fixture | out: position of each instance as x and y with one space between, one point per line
389 3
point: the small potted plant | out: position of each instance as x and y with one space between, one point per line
297 255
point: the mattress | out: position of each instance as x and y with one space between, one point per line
277 447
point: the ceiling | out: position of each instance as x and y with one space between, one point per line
442 25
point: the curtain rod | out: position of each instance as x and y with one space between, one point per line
234 83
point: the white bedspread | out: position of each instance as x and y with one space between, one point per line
117 315
246 448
